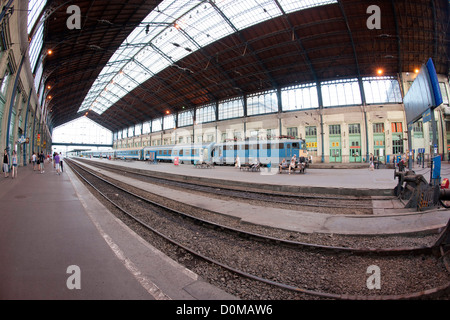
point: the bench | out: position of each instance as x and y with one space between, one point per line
204 165
298 168
250 167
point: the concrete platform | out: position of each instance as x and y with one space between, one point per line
350 181
50 222
384 222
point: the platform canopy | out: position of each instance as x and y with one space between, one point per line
137 60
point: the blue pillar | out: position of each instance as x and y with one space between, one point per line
25 129
13 97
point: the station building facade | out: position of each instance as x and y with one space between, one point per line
343 121
23 119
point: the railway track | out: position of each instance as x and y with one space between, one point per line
296 267
319 203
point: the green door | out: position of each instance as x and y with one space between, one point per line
379 150
355 149
335 149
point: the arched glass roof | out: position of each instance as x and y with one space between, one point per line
172 31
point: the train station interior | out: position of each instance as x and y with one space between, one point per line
343 83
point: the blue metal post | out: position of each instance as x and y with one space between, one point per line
25 128
13 97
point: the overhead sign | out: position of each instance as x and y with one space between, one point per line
424 94
426 116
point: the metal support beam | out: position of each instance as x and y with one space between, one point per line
13 98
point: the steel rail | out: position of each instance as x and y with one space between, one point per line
258 193
263 238
415 295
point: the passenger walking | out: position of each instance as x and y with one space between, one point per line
34 160
371 164
61 162
56 163
237 164
6 163
14 164
41 161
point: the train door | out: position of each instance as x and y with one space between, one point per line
264 153
246 153
296 149
253 152
289 152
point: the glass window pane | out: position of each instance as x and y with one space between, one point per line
340 92
206 114
157 125
233 108
185 118
261 103
382 90
299 97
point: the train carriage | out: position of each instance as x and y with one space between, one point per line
129 154
186 153
265 151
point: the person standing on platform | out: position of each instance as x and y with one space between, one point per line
56 163
61 162
6 163
371 164
14 164
41 161
237 164
34 159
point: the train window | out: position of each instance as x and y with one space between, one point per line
160 152
181 152
246 146
295 145
169 152
280 146
230 147
236 147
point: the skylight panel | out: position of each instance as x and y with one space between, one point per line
136 72
296 5
35 8
175 29
245 13
175 44
205 25
152 60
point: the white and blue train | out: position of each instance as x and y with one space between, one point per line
265 151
